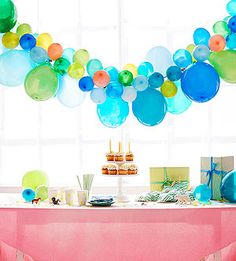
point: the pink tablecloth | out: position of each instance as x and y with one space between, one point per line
117 234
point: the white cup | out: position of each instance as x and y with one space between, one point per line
70 197
82 197
53 193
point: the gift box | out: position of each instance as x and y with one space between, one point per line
160 176
213 169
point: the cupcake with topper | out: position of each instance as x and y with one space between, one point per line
129 156
110 155
119 156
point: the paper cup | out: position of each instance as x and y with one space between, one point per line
70 197
82 197
53 193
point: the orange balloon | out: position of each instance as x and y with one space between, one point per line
101 78
55 51
217 43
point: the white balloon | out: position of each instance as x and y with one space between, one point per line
129 94
140 83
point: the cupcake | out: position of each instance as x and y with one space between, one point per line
112 169
123 169
129 156
132 169
110 156
105 169
119 156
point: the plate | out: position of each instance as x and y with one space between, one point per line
101 204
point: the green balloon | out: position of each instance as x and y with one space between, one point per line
42 192
8 16
34 179
125 77
224 63
61 65
41 83
221 27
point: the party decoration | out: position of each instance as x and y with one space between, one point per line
55 51
93 66
173 73
221 28
39 55
169 89
114 90
224 63
125 77
145 69
69 93
182 58
98 95
231 41
42 192
14 66
81 56
201 53
23 29
140 83
202 193
34 178
191 48
129 94
86 84
113 112
228 187
200 82
156 80
10 40
101 78
160 58
28 194
149 107
44 40
61 65
76 70
113 73
231 7
232 24
68 54
27 42
41 83
217 43
201 36
8 16
131 68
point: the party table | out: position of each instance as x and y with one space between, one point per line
120 233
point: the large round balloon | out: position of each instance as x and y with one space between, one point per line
41 83
224 63
113 112
149 107
200 82
179 103
34 178
8 16
160 58
228 187
14 66
69 93
202 193
231 7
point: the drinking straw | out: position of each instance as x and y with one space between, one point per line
87 181
110 145
79 182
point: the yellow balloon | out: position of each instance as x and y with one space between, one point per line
10 40
81 56
191 48
23 29
44 40
76 70
132 68
168 89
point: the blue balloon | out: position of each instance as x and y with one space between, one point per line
27 42
98 95
39 55
145 69
156 80
202 193
14 66
68 53
86 84
232 24
231 41
200 82
140 83
228 186
201 53
28 195
114 90
173 73
149 107
69 93
93 66
182 58
231 7
179 103
201 36
113 112
113 73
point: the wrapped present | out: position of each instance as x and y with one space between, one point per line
165 176
213 169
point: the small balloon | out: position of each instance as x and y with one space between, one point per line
55 51
228 187
182 58
129 94
231 41
232 24
156 80
86 84
34 178
145 69
28 194
8 16
61 65
69 94
174 73
68 54
113 112
113 72
42 192
201 53
140 83
27 42
125 77
81 56
201 36
202 193
231 7
41 83
114 90
93 66
76 71
39 55
10 40
132 68
149 107
23 29
200 82
168 89
221 28
44 40
98 95
101 78
217 43
191 48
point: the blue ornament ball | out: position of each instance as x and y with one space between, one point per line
28 195
232 24
27 42
182 58
173 73
201 36
228 187
202 193
114 90
86 84
145 69
156 80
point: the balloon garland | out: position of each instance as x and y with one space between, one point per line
162 83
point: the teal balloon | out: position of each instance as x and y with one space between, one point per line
231 7
149 107
68 53
228 186
145 69
113 112
28 194
173 73
156 80
39 55
113 73
201 36
114 90
179 103
202 193
231 41
14 66
93 66
182 58
201 53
